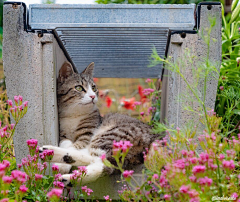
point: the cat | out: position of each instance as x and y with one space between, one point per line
85 135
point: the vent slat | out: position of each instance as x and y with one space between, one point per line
117 52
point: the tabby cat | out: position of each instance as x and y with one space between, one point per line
85 135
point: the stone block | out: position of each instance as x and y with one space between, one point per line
174 87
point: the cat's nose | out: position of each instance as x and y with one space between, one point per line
92 96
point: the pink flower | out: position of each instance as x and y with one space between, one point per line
184 189
76 175
221 156
2 167
167 197
23 188
205 181
19 176
148 91
184 152
136 103
58 184
55 167
10 102
211 113
213 136
121 146
32 143
155 176
4 200
16 99
107 198
221 88
228 164
180 163
127 145
6 163
12 126
209 181
213 166
141 113
193 178
20 98
45 164
55 193
234 195
58 176
87 190
128 173
193 160
194 200
38 177
25 104
231 153
82 170
103 157
198 169
193 193
12 109
46 155
20 108
203 157
148 80
7 179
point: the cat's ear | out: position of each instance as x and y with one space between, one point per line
89 69
65 71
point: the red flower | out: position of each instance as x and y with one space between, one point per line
128 103
143 97
95 80
108 101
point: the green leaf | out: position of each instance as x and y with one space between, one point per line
236 111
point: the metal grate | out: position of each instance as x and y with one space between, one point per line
118 38
117 52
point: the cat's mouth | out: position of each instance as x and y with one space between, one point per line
92 102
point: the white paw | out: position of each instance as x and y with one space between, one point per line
66 180
46 147
64 168
57 153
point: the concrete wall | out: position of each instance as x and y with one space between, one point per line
31 64
175 88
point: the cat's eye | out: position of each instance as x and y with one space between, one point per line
94 88
79 88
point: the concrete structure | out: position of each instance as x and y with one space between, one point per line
175 89
31 64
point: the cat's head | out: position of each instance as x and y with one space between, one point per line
77 89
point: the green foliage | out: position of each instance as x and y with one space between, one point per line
151 1
228 94
176 170
200 75
48 1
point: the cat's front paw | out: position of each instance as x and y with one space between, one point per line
65 179
46 147
57 152
68 159
64 168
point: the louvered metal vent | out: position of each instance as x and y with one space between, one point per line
118 38
117 52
